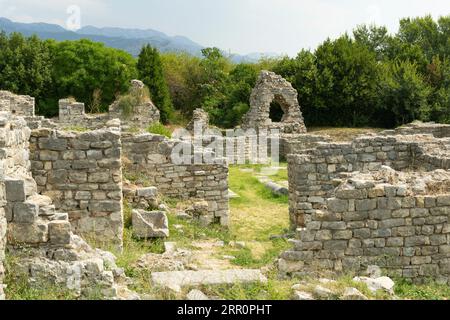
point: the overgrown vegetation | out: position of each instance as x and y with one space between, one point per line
158 128
18 287
133 98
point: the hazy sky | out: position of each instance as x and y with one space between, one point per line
241 26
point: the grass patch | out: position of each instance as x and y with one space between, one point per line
274 289
257 257
76 128
159 129
343 134
137 178
430 291
19 288
258 213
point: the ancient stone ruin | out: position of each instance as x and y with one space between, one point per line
273 88
61 183
380 200
200 118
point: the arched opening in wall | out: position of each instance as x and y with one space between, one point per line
276 112
277 109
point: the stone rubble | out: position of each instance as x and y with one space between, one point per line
176 280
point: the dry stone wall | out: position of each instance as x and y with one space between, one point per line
438 130
350 216
82 173
38 236
150 155
14 161
368 222
16 104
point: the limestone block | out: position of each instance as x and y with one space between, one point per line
152 224
150 192
25 212
19 233
59 232
15 190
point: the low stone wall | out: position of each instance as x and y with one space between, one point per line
82 173
150 155
14 161
16 104
402 227
349 219
313 174
72 114
297 143
438 130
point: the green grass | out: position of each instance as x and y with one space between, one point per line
76 128
274 289
430 291
246 258
137 178
257 213
18 287
160 129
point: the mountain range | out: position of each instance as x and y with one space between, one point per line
130 40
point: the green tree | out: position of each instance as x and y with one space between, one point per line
183 75
151 72
404 93
25 65
375 38
82 68
346 82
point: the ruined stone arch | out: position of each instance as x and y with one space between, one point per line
269 88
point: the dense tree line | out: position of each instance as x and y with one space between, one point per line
50 70
368 78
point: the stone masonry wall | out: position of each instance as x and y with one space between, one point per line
438 130
389 225
151 155
347 224
82 173
17 105
14 161
313 174
72 114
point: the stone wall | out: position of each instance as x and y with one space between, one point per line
401 226
150 155
269 88
82 173
313 174
16 104
72 114
349 219
14 162
438 130
38 237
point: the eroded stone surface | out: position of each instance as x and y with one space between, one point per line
150 224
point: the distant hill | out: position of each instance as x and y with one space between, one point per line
130 40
